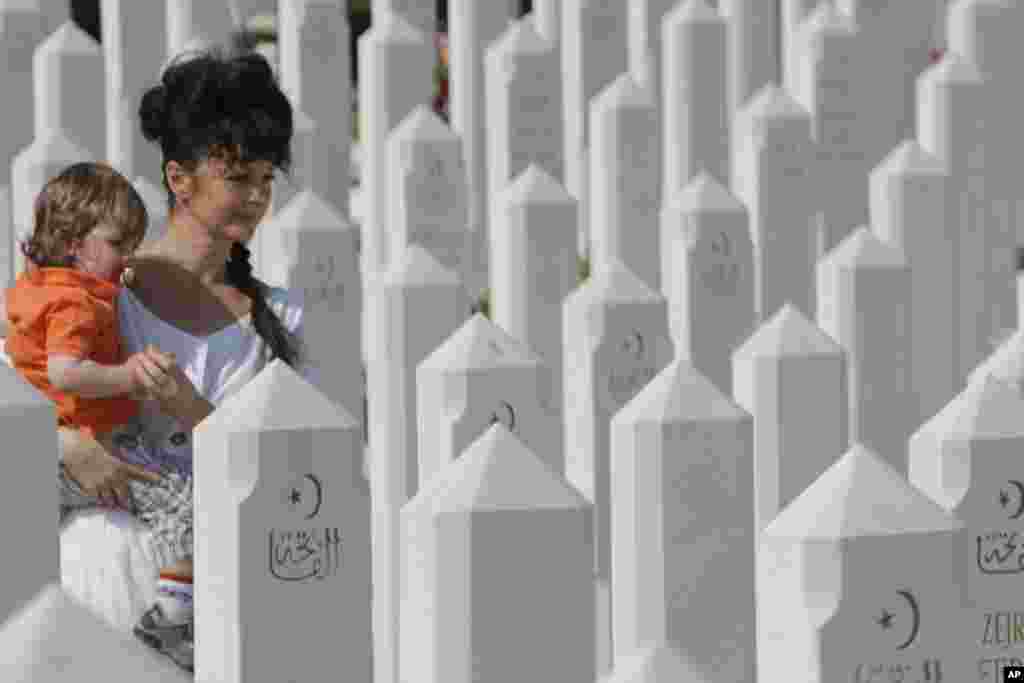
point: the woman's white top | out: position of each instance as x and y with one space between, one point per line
105 556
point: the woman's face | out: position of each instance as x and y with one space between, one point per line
231 198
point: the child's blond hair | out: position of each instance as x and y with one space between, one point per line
74 202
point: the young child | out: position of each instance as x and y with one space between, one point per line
63 338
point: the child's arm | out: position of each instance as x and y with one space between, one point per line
88 379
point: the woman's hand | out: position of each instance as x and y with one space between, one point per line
97 472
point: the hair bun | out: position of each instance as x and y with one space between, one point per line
153 113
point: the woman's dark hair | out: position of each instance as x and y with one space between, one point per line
74 202
210 104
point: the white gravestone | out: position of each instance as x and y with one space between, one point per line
695 95
616 339
44 158
864 304
774 175
862 581
497 571
308 160
536 270
831 87
22 28
910 192
951 126
69 80
311 248
753 48
472 27
55 638
899 39
645 49
155 199
967 460
282 563
481 375
206 20
1007 361
414 307
315 72
29 500
132 59
625 177
428 189
995 24
524 110
594 52
791 376
708 276
987 32
395 63
419 13
682 483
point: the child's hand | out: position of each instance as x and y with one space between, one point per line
152 373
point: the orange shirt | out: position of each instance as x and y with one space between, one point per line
73 313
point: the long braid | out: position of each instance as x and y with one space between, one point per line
282 343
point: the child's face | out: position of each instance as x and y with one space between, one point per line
103 252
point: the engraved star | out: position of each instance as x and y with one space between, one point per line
1004 498
885 621
295 497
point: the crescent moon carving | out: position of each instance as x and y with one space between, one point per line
909 597
504 411
1020 498
319 495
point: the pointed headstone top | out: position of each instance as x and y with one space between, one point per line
909 158
622 93
307 211
536 186
54 638
862 248
988 408
705 194
497 472
418 267
693 12
788 333
71 40
679 394
521 38
860 495
278 399
423 124
479 345
654 663
952 68
1007 362
774 102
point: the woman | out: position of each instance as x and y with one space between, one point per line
223 126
